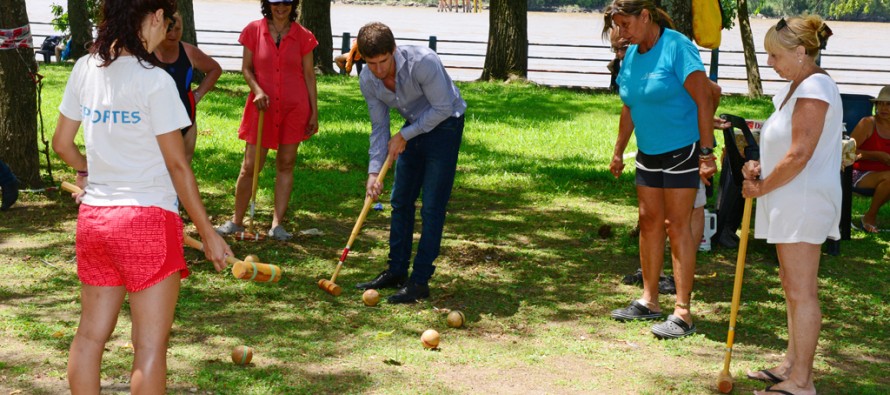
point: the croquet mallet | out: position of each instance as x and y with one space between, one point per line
256 174
253 271
330 286
752 152
725 381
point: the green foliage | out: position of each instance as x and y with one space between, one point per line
878 10
851 10
729 13
60 16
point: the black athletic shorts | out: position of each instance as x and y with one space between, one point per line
674 169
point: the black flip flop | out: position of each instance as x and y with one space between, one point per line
771 378
783 392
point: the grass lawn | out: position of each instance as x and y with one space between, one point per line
522 258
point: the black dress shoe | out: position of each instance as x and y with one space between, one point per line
384 280
410 294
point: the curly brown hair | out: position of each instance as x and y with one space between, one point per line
120 29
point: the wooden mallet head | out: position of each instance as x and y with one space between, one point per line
330 287
724 382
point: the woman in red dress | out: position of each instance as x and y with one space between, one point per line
279 69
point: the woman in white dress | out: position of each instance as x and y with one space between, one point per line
797 186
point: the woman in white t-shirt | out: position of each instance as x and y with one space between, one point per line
797 186
129 234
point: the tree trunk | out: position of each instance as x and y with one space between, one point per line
187 12
507 53
315 15
681 12
755 87
18 101
81 27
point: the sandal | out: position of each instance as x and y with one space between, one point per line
765 375
868 228
636 311
229 228
673 328
783 392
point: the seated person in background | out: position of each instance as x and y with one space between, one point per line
9 185
63 49
872 169
346 60
619 47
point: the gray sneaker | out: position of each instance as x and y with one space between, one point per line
229 228
278 233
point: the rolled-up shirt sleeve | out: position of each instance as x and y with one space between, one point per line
437 88
379 112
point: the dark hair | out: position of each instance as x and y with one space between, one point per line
266 9
121 28
375 39
635 8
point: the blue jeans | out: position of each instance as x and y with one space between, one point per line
427 165
6 176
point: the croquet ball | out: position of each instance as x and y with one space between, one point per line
251 258
430 338
371 297
241 355
455 319
378 207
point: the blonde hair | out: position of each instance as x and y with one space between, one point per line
809 31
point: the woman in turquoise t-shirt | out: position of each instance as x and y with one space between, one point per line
668 106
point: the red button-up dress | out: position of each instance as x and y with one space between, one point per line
279 71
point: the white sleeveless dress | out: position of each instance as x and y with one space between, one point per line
807 208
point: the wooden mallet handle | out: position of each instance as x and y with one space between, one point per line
330 286
724 380
252 271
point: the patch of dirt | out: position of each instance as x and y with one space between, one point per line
49 370
467 255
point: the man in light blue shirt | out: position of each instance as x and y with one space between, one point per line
412 80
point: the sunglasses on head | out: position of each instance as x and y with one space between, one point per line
781 25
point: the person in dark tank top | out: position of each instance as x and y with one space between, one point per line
180 60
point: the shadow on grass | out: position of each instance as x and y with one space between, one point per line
513 252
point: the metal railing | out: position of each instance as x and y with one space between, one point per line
576 64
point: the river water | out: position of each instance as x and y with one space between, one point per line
850 39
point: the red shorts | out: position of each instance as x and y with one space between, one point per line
131 246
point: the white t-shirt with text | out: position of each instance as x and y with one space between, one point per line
123 108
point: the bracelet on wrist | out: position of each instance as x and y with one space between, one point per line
706 158
83 173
